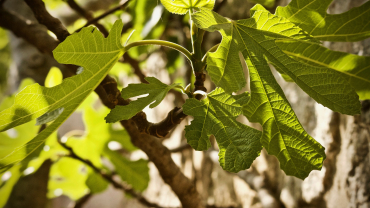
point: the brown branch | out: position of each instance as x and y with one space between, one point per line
110 96
162 128
127 58
109 178
43 17
87 15
121 6
161 157
181 148
2 2
81 202
135 65
219 6
32 32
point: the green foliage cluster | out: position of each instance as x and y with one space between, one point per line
288 40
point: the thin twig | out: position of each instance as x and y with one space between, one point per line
87 15
110 95
135 65
109 178
127 58
81 202
121 6
181 148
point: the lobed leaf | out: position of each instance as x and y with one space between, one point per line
326 86
183 6
283 135
312 16
216 115
156 90
354 68
224 66
88 49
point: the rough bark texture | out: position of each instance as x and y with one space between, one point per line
344 180
161 157
31 190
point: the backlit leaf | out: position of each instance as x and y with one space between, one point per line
156 90
312 16
88 49
183 6
283 135
216 115
326 86
354 68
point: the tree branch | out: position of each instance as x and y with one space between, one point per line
32 32
135 65
109 178
121 6
161 157
161 129
110 95
181 148
87 15
44 18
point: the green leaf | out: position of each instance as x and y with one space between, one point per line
183 6
90 146
326 86
266 3
312 16
224 66
156 90
283 135
6 186
68 177
93 145
96 183
17 136
355 69
89 49
54 77
216 115
135 173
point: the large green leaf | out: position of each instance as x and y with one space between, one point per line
312 16
283 135
88 49
216 115
156 90
355 69
326 86
183 6
224 66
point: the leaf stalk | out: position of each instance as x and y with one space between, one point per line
160 43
